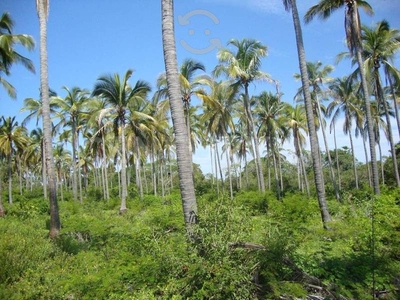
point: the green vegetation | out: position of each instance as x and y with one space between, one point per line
254 247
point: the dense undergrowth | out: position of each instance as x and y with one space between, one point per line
254 247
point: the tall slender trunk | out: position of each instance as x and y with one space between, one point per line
9 170
354 160
55 224
396 109
318 178
382 167
2 212
184 157
228 164
44 171
124 191
366 97
302 167
104 165
216 166
382 100
219 168
367 161
321 121
74 164
256 147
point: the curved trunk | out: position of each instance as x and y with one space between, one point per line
318 178
55 225
184 157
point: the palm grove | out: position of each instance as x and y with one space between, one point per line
128 139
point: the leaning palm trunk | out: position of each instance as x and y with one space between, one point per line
184 157
55 225
318 178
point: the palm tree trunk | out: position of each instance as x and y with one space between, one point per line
55 225
44 172
256 147
389 125
382 167
9 169
367 161
321 121
396 109
74 165
124 191
337 158
354 160
228 164
318 178
366 96
184 157
219 167
302 167
2 212
216 166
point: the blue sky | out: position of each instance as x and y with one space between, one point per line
90 38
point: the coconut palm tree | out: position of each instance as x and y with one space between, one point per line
318 75
184 160
217 116
8 54
12 138
43 10
379 50
120 96
191 85
242 66
73 114
272 127
141 128
297 123
346 101
353 34
290 5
